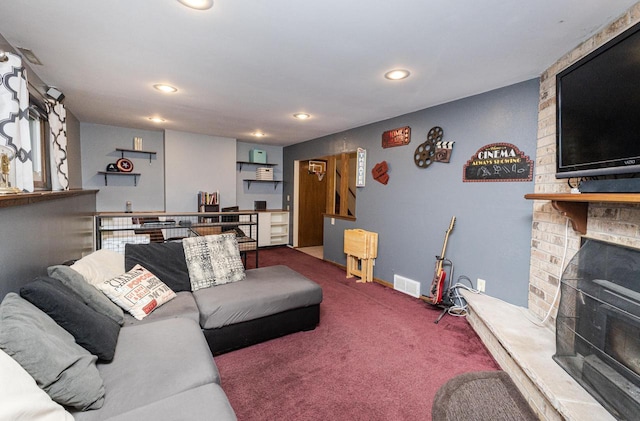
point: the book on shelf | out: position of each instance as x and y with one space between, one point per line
208 199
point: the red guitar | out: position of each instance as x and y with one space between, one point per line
437 285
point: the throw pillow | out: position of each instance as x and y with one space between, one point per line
93 331
65 370
138 291
213 260
100 266
22 399
89 294
165 260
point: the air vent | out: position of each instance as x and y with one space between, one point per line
406 285
30 55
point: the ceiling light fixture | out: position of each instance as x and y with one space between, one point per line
198 4
157 119
168 89
397 74
302 116
259 134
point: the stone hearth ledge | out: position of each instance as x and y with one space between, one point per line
524 350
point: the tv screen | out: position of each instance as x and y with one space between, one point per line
598 111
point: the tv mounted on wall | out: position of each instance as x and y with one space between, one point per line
598 111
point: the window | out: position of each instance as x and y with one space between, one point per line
39 132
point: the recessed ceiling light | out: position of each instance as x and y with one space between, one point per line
198 4
165 88
157 119
302 116
397 74
259 134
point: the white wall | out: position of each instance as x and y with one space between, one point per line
195 162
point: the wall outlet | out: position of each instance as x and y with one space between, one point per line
333 221
481 285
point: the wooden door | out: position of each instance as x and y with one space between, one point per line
312 194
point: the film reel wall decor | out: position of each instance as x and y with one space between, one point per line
434 149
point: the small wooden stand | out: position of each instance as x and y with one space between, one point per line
361 247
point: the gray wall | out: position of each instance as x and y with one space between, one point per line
492 235
196 162
35 236
98 150
258 191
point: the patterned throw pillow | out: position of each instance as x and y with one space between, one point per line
213 260
138 291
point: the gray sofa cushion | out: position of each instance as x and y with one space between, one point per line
264 291
152 362
65 370
184 306
93 331
203 403
89 294
165 260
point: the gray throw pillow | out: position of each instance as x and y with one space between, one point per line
93 331
213 260
91 295
65 370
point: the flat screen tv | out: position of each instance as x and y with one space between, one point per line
598 111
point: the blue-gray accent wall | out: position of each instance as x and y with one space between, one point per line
492 235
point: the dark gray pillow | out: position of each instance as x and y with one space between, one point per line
65 370
165 260
91 295
95 332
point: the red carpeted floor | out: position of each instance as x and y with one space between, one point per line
376 355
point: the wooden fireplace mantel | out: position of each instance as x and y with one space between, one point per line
575 206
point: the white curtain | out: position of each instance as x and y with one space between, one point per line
58 146
14 119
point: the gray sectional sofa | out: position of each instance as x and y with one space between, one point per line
163 366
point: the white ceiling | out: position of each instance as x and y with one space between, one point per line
248 65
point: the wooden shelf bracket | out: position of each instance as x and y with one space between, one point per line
575 211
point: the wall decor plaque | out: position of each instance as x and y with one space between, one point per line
396 137
498 162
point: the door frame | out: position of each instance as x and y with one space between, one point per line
296 201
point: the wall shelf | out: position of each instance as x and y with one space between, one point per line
275 182
241 163
134 174
575 206
123 150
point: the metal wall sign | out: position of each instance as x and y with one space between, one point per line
498 162
362 167
396 137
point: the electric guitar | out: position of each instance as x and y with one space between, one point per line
437 285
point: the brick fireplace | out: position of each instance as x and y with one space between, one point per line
617 223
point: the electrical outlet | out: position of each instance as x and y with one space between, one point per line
333 221
481 285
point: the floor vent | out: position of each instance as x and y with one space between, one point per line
406 285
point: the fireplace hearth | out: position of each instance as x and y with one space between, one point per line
598 325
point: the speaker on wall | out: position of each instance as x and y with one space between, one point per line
54 93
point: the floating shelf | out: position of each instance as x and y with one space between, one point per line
576 206
123 150
241 163
275 182
134 174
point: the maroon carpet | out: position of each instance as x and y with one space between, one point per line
376 355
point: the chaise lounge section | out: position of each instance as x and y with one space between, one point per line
163 364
